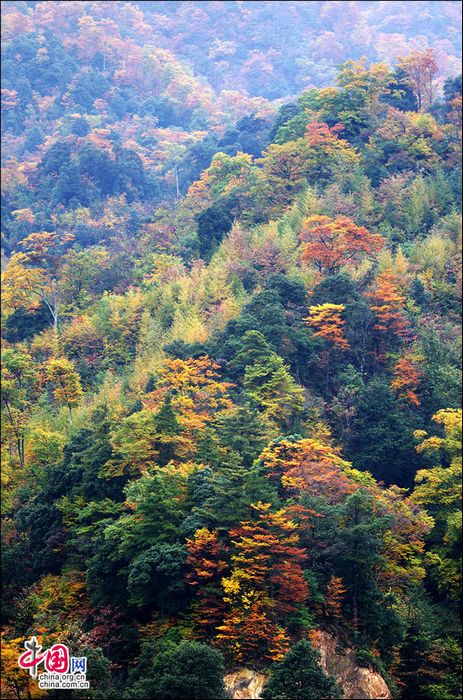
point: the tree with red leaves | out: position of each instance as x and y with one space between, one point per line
207 561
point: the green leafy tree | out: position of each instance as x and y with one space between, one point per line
381 436
272 388
361 557
18 377
168 428
188 670
157 575
300 675
439 490
233 488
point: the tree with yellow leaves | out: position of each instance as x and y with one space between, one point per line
195 390
16 683
65 382
328 323
439 490
18 378
31 277
266 582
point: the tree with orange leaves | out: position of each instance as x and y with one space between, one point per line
196 393
334 596
388 305
207 561
327 320
407 378
307 464
313 467
331 244
266 583
250 634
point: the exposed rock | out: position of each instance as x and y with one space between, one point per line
357 682
244 683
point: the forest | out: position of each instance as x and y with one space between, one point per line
231 344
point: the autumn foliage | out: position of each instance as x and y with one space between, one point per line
421 68
329 324
207 559
407 377
331 244
334 596
194 387
230 317
388 305
307 464
245 594
265 582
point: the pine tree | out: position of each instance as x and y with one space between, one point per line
274 391
167 427
299 676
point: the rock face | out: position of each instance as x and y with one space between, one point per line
244 683
357 682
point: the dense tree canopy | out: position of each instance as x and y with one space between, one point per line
231 368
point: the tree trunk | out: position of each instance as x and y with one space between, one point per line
55 331
355 614
20 451
55 322
19 437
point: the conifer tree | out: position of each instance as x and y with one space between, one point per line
299 675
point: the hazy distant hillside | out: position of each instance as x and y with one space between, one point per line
278 48
159 90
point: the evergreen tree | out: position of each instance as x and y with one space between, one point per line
254 349
167 428
299 675
381 440
233 488
189 670
243 432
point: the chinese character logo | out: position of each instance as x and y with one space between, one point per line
55 659
78 664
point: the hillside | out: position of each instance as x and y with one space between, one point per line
231 345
